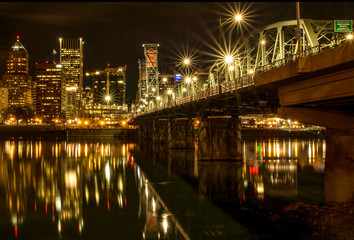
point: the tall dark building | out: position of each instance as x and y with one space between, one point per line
50 91
17 79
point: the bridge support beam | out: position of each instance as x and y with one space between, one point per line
219 139
159 134
180 133
339 171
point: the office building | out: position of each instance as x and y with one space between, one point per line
71 58
50 103
17 80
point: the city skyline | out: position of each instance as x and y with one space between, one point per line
114 32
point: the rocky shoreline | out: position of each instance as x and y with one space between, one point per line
319 221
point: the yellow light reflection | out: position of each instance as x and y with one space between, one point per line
85 149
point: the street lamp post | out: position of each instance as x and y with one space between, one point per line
298 28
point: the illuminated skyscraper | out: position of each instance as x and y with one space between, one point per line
71 58
16 79
50 91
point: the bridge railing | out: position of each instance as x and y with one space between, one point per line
307 52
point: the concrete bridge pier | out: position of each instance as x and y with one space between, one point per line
145 130
180 133
339 171
219 139
159 134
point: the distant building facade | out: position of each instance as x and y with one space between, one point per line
4 96
17 80
71 58
111 83
50 100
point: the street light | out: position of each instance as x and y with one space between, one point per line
186 61
228 59
238 17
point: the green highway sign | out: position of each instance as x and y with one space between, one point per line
343 25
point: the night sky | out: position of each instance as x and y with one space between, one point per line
114 32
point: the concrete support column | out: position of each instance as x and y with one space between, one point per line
145 130
339 171
159 134
219 139
180 133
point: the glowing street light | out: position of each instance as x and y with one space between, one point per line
238 17
231 68
186 61
107 98
188 80
164 79
169 91
158 98
228 59
350 36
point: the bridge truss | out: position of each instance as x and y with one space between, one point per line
273 46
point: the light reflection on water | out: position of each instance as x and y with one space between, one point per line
62 183
66 184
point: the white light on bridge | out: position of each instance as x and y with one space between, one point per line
186 61
251 71
263 42
169 91
153 89
188 80
164 79
228 59
184 89
350 36
238 17
158 98
231 68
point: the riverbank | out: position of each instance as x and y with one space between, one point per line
320 221
46 132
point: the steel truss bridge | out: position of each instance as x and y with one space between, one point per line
263 50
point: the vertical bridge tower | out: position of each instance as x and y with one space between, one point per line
152 73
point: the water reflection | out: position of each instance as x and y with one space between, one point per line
62 183
70 187
271 169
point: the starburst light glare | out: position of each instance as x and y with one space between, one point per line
228 59
238 17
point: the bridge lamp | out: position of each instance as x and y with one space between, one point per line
350 36
158 98
169 91
184 89
97 72
238 17
251 71
228 59
188 80
231 68
263 42
153 89
164 79
194 78
186 61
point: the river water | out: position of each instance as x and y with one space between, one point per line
109 189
